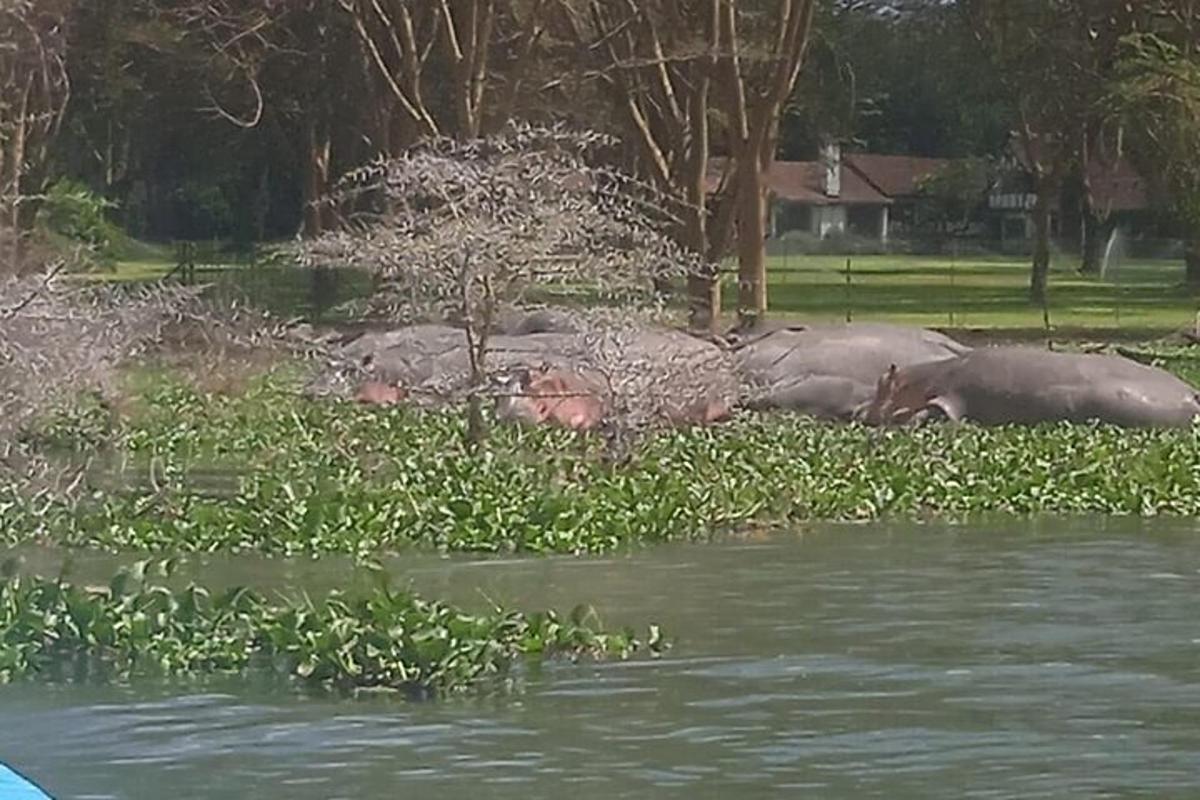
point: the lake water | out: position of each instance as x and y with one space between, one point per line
1037 660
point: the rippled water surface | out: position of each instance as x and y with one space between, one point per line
1030 661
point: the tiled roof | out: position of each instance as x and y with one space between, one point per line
1117 187
894 176
801 182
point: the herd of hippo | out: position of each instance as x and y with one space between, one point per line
551 368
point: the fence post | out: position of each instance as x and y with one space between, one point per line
1046 316
953 266
185 262
849 292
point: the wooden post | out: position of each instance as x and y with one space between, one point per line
953 273
849 290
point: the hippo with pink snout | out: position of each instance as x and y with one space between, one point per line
1023 385
551 396
578 400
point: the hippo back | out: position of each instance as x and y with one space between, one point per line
830 370
1022 385
1031 385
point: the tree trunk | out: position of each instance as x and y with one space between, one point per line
703 289
752 246
704 296
1041 245
1096 231
316 178
1191 258
16 176
476 352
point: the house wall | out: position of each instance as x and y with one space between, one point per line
788 216
870 222
822 221
828 219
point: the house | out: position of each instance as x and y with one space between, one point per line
900 179
825 198
873 195
859 193
1120 195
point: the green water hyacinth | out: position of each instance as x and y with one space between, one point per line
137 627
270 472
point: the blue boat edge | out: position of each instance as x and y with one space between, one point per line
15 786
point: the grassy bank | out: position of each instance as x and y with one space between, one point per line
987 292
267 471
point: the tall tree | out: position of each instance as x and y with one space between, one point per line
690 78
34 90
451 67
294 67
1157 92
904 78
1054 59
1037 57
1100 26
762 50
656 62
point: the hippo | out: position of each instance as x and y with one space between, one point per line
546 320
648 375
576 400
377 393
829 371
701 411
549 395
1024 385
438 357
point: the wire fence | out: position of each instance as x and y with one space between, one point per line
1115 249
1133 285
965 282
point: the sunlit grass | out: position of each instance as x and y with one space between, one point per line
1146 296
989 292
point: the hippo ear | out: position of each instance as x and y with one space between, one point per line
886 381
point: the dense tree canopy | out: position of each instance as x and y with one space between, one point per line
233 118
898 77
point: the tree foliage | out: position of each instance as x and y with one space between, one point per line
1158 94
904 78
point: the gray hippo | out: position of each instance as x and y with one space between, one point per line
545 320
830 370
644 375
1023 385
551 396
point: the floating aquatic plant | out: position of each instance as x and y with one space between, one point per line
302 477
136 626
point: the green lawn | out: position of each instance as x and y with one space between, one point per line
1140 297
975 293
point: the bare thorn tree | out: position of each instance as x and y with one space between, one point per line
60 340
463 230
